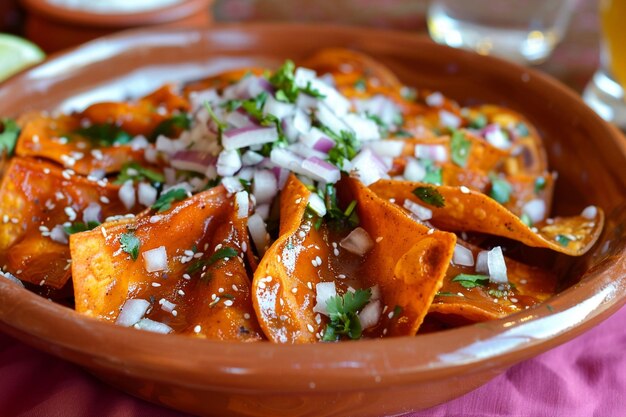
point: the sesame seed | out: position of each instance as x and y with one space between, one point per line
213 296
514 300
200 254
97 154
310 328
104 200
181 292
156 284
460 294
43 281
5 218
155 219
197 329
206 246
318 260
228 303
261 285
392 200
218 246
220 290
46 171
294 290
308 284
35 138
174 313
71 213
336 252
379 239
523 281
431 231
465 190
246 316
244 247
341 276
301 233
104 232
318 318
390 315
188 252
314 262
186 276
298 200
384 332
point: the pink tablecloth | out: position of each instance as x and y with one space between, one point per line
584 377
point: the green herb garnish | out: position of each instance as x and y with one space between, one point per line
130 244
460 148
434 174
478 122
522 129
430 195
166 199
540 184
135 172
223 253
80 227
342 219
360 85
446 294
169 127
497 293
346 146
525 218
342 311
9 135
105 134
500 189
471 281
562 240
220 124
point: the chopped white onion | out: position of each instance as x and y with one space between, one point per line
288 160
301 122
155 260
386 147
264 186
357 242
232 184
228 163
277 108
258 233
434 99
414 171
139 142
321 170
364 129
242 204
251 158
590 212
497 266
153 326
248 136
329 119
169 146
422 213
167 306
126 194
535 209
481 262
11 278
437 153
263 210
305 151
370 315
238 119
448 119
146 194
376 294
496 137
462 256
58 234
368 167
92 213
133 310
323 292
317 204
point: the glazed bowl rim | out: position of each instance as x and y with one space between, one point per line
366 364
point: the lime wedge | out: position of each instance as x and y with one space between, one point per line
16 54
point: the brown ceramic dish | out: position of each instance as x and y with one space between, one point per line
54 27
376 377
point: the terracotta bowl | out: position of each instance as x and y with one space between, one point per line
376 377
54 27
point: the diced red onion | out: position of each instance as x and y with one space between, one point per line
242 204
239 119
357 242
188 160
169 146
324 291
382 107
302 76
386 147
258 233
414 171
422 213
228 163
368 167
335 102
288 160
481 262
211 172
306 152
301 122
496 137
317 204
535 209
263 210
232 184
324 144
146 194
92 213
264 186
437 153
370 315
155 260
321 170
153 326
58 234
170 175
448 119
289 130
248 136
126 194
305 101
364 129
462 256
376 294
250 158
497 266
590 212
139 142
328 118
133 310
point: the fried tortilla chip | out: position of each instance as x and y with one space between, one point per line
406 271
202 286
467 210
40 203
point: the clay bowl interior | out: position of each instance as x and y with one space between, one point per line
376 377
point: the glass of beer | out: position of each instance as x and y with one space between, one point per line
605 92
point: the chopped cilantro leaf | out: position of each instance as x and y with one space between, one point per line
346 146
105 134
401 133
8 137
246 184
460 148
525 218
360 85
434 174
430 195
134 171
522 129
166 199
342 311
282 96
446 294
223 253
478 122
169 127
284 80
130 244
80 227
308 89
562 240
540 184
232 105
220 124
471 281
341 219
497 293
500 189
397 310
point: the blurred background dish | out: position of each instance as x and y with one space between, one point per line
59 24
